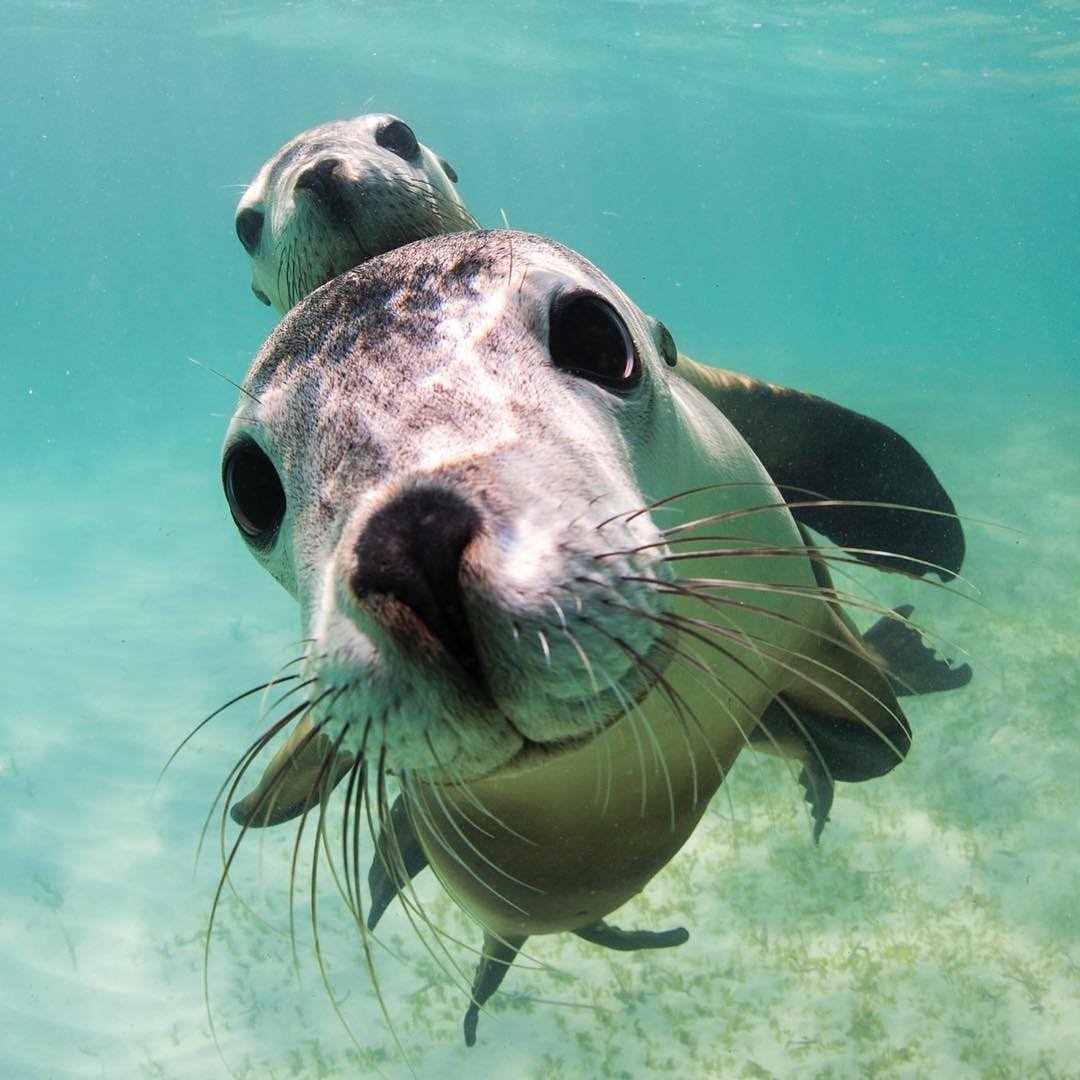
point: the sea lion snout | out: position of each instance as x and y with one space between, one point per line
410 552
326 183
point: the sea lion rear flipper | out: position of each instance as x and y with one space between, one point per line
909 662
830 748
298 777
499 954
818 788
398 859
611 937
806 442
840 718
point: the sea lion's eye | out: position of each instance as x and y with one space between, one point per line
249 226
397 137
587 337
253 488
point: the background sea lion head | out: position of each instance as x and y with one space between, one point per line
338 194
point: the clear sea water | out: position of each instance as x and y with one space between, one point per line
877 202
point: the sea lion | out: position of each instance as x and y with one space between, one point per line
548 588
337 195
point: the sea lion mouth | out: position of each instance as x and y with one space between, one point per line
612 706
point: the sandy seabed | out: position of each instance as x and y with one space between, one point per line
933 932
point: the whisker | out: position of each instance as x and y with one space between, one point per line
814 553
264 709
440 802
673 622
411 903
236 773
228 859
272 791
593 717
217 712
350 816
772 657
220 375
628 706
413 800
636 657
321 841
648 508
822 552
693 588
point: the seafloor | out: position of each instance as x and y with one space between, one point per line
933 931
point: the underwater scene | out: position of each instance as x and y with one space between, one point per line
875 205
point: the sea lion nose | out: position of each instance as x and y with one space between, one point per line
411 551
319 180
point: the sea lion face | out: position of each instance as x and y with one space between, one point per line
339 194
445 455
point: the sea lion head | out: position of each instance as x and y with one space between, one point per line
449 457
338 194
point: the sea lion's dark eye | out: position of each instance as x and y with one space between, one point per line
249 226
587 337
256 497
397 137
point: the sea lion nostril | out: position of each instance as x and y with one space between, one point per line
319 179
411 550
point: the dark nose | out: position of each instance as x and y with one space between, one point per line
325 183
411 550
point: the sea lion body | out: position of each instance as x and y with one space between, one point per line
549 588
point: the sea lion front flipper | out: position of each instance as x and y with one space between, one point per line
299 776
611 937
498 955
806 442
398 859
911 664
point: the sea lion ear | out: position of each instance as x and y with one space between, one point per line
665 343
816 450
449 169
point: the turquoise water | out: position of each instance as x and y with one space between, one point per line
878 203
